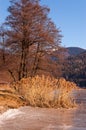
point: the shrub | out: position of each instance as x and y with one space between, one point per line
42 91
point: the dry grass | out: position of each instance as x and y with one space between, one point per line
46 91
9 98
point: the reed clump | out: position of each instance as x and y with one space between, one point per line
42 91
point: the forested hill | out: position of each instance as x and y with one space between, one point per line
75 69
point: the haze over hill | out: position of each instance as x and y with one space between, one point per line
73 51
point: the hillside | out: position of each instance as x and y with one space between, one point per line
73 51
75 69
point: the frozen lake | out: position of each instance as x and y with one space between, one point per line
28 118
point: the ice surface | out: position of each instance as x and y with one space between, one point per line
10 114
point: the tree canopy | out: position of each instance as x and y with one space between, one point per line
30 35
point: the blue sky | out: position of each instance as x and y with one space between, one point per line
68 15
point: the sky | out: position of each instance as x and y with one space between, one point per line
68 15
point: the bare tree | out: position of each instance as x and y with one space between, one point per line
30 34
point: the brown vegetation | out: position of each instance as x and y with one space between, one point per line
39 91
46 91
30 45
26 37
9 98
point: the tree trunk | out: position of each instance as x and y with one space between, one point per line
36 62
23 63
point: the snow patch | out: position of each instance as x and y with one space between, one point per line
10 114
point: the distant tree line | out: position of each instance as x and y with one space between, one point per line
75 69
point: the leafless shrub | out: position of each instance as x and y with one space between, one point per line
46 91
